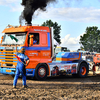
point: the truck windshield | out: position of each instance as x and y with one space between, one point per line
17 38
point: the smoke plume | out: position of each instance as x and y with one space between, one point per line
30 6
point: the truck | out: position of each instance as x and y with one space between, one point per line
96 63
41 54
60 49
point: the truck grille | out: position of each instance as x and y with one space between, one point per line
7 58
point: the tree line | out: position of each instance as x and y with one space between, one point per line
90 41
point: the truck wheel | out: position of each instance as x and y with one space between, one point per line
41 72
83 70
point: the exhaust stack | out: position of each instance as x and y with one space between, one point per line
28 24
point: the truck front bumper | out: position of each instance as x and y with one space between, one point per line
12 71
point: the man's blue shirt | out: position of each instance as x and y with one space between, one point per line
23 58
34 42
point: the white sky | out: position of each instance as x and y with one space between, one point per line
73 16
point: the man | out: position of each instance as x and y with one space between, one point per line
35 40
20 68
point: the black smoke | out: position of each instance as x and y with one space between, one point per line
30 6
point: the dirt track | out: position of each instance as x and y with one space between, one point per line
56 88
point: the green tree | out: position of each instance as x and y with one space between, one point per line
91 39
56 30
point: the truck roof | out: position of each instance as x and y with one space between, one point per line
12 29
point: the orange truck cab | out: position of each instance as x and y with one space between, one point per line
38 44
96 64
96 58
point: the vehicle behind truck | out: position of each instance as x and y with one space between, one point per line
60 49
40 54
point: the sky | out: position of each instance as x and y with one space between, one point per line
74 16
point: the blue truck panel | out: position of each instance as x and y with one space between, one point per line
11 71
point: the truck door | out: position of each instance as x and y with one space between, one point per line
40 51
33 51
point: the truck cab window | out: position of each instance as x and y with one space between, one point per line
35 37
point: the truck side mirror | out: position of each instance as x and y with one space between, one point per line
2 39
31 40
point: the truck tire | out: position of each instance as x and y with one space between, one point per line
83 70
41 72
